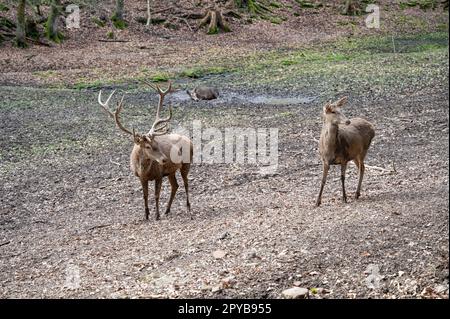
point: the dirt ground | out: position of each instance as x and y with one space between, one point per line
77 205
71 212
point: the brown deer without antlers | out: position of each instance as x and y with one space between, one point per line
342 141
157 154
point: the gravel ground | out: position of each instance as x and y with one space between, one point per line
70 207
71 213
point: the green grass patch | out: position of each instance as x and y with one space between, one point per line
3 8
83 84
275 4
45 74
160 77
199 72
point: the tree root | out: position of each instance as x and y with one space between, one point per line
216 22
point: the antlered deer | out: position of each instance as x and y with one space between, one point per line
342 141
203 93
157 154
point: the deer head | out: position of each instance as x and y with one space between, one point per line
332 112
147 142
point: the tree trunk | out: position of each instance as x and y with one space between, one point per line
149 16
351 7
117 17
216 22
21 27
252 6
52 22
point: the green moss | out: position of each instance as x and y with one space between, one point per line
7 23
99 22
422 4
288 62
306 4
275 20
213 30
3 8
44 74
118 23
160 77
275 4
84 84
199 72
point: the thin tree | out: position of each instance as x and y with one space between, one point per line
21 25
149 16
51 28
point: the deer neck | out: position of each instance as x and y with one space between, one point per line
330 139
144 164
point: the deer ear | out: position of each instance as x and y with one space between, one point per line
328 108
342 101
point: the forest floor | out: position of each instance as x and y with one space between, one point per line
70 208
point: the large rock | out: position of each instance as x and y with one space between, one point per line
295 293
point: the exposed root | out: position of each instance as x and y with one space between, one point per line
216 22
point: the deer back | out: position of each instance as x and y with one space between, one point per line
355 138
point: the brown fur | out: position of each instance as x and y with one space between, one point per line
203 93
341 141
156 154
155 163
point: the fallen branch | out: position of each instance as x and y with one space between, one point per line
99 226
162 10
104 40
5 243
183 19
381 169
115 163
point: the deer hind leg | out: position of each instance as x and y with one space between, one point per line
361 169
174 186
326 167
158 184
343 170
184 174
145 191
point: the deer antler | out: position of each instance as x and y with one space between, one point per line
116 113
163 129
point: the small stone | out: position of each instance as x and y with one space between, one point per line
216 289
224 235
251 255
297 283
295 293
219 254
228 282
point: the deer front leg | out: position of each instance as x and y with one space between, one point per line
145 191
361 175
326 167
343 170
158 184
174 186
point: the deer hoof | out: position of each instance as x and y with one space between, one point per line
157 217
167 212
357 195
344 200
318 203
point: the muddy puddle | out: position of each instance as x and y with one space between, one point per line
231 97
